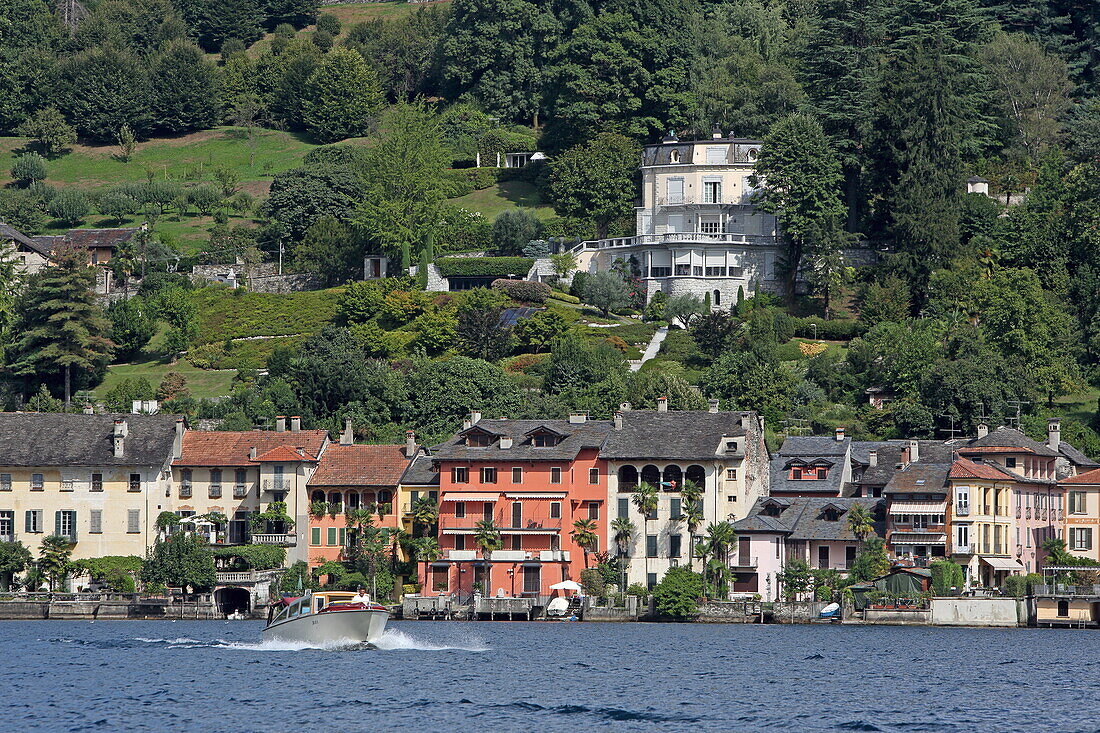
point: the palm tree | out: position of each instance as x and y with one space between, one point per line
54 557
425 512
426 549
645 498
487 538
721 537
624 531
691 495
584 534
859 521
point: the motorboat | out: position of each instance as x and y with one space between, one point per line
325 618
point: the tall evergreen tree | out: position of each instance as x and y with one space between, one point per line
184 89
102 89
61 327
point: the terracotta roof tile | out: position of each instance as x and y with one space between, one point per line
966 468
361 465
1089 477
231 448
281 454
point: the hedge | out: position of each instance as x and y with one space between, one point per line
253 557
484 266
828 330
565 297
524 291
467 180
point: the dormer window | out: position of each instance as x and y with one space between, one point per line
674 157
479 440
772 508
544 440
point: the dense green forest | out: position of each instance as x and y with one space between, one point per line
325 140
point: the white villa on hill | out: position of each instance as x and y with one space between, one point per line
698 231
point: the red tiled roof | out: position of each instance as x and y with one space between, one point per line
1089 477
966 468
282 454
361 465
231 448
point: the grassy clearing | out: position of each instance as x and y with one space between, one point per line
225 313
504 195
1081 406
185 158
354 13
202 383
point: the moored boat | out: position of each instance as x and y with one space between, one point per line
327 617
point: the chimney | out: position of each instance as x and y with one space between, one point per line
914 451
280 423
88 410
712 405
348 436
295 424
505 441
1054 434
662 404
716 133
119 438
619 420
624 407
840 435
872 458
983 430
252 453
576 418
177 441
410 444
475 417
746 420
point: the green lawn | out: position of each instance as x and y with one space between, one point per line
225 313
186 158
1081 406
353 13
190 234
202 383
504 195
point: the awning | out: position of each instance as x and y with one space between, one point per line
1002 563
918 507
469 496
917 538
536 495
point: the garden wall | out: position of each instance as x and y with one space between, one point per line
977 612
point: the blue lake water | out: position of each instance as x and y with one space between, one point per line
215 676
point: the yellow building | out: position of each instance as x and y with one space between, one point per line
982 526
420 479
100 480
1082 517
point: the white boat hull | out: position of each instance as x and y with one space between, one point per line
332 627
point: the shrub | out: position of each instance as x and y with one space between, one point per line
173 386
525 291
206 356
523 363
828 330
462 231
500 267
69 207
593 582
678 593
513 229
252 557
329 23
564 297
28 168
467 180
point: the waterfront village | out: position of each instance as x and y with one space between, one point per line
636 511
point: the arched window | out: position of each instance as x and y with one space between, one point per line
674 156
673 478
353 500
383 501
317 496
628 478
716 298
651 475
697 475
335 497
368 499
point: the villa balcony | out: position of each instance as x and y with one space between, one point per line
743 561
681 238
462 554
554 555
276 484
282 540
246 576
509 555
215 491
185 491
240 491
7 538
961 549
962 511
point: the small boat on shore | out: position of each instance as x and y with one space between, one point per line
328 617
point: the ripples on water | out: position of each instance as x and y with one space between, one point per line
213 676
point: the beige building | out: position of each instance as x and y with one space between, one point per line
100 480
1082 517
241 473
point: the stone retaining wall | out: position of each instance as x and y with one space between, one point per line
978 612
730 612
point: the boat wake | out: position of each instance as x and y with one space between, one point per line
392 640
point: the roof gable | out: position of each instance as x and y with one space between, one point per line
234 447
361 465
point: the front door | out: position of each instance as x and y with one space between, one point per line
823 556
532 580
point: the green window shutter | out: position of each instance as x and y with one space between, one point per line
343 537
28 518
315 536
332 536
57 522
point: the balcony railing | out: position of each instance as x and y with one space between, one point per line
276 484
961 549
462 554
509 555
1060 589
742 561
681 238
554 555
1019 549
240 491
283 540
185 491
7 538
215 491
962 511
246 576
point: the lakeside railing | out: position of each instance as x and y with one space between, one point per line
1062 589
